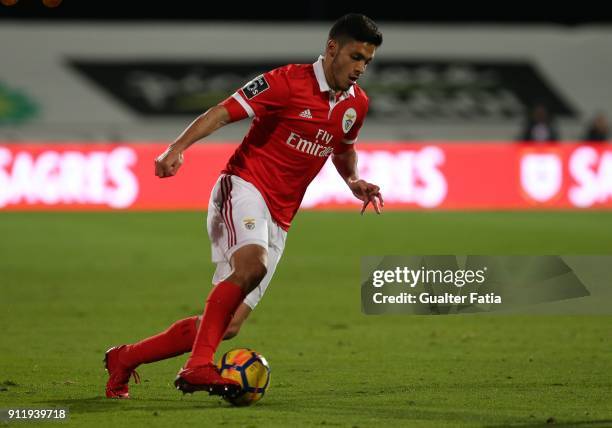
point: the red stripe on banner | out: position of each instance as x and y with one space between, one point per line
416 175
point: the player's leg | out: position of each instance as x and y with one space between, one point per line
178 338
238 231
242 313
276 245
121 361
223 239
249 268
247 249
275 251
200 372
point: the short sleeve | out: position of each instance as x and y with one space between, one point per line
264 95
351 137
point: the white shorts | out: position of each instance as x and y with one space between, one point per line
238 216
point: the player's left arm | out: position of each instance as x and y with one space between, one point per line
345 162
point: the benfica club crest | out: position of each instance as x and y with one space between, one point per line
249 223
350 116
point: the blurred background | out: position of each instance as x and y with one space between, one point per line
105 72
444 77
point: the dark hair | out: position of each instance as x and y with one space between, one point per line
357 27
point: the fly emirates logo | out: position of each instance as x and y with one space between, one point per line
320 147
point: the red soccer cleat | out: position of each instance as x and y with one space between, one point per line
119 374
206 378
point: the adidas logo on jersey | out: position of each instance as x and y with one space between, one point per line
306 114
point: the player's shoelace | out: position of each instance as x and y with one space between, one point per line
135 375
132 373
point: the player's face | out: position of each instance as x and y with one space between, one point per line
349 62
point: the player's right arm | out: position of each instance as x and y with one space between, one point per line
168 163
264 95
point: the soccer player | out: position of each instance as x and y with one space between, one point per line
302 114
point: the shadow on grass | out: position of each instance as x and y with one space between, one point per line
102 404
409 412
587 424
324 413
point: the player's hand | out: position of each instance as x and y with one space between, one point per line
168 163
367 192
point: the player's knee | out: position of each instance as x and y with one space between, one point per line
249 276
257 273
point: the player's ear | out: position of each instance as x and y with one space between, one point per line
332 48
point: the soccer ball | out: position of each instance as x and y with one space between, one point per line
251 370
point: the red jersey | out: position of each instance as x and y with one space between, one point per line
298 123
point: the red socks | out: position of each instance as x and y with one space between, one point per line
221 304
176 340
179 338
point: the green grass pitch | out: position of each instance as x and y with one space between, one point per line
74 284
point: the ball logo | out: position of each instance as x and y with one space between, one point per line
350 115
541 175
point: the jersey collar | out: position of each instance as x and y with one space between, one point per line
322 81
